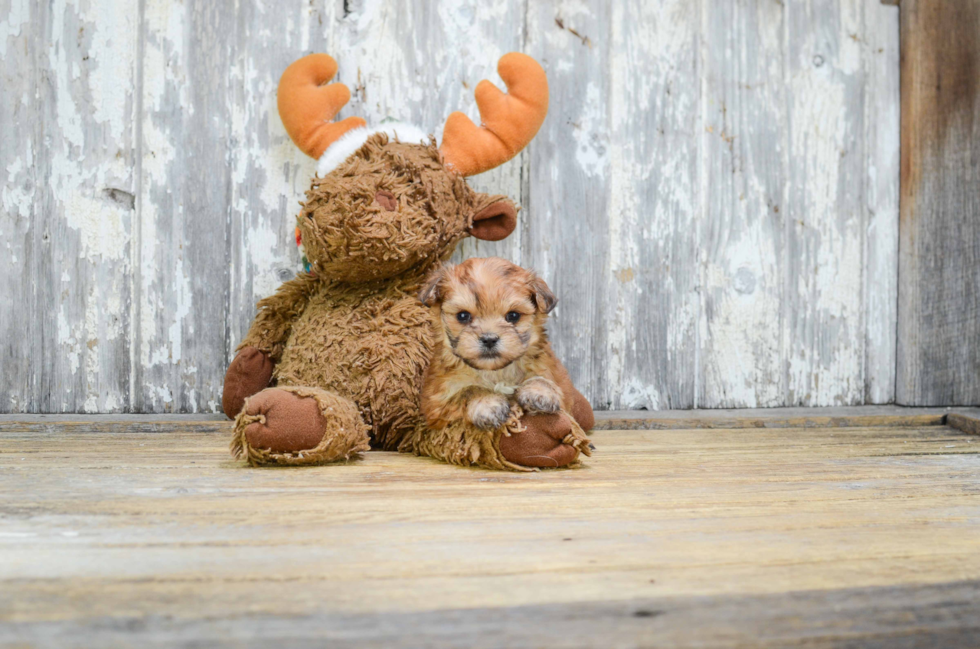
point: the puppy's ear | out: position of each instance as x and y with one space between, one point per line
431 292
494 221
543 298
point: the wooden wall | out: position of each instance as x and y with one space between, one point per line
714 195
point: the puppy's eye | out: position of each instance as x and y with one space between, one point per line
464 317
512 317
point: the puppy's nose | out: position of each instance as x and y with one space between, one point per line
489 340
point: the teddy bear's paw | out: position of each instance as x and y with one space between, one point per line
283 422
299 425
548 440
249 373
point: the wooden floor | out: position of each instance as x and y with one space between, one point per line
118 532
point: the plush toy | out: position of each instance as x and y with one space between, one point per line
345 344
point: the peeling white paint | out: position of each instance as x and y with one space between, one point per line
636 395
18 15
68 341
101 225
590 134
113 49
262 243
17 194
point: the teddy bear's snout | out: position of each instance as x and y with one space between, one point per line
386 200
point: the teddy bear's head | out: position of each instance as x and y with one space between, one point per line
388 200
391 206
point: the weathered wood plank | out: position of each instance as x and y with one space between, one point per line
934 615
20 231
805 417
801 536
801 417
939 288
882 122
184 211
568 228
824 217
69 204
450 47
646 304
744 148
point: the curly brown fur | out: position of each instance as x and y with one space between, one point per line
352 236
465 445
276 314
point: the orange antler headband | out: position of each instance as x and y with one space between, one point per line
509 120
306 105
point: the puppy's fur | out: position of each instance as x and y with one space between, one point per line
491 346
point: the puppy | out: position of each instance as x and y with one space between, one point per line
491 346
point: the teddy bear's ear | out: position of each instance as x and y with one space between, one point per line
495 221
430 293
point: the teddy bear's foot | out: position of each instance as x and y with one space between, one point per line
298 425
548 440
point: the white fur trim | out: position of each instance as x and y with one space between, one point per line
353 140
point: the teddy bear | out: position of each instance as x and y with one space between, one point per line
332 364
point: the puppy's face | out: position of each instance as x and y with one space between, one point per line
491 311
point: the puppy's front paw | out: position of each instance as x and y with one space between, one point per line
488 411
539 395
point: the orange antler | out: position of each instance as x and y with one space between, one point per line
306 105
510 120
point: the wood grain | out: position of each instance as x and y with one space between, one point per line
819 536
715 210
940 615
939 294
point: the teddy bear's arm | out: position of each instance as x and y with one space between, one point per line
251 370
276 315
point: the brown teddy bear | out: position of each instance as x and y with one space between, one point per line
346 344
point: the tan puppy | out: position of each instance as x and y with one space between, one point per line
491 348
